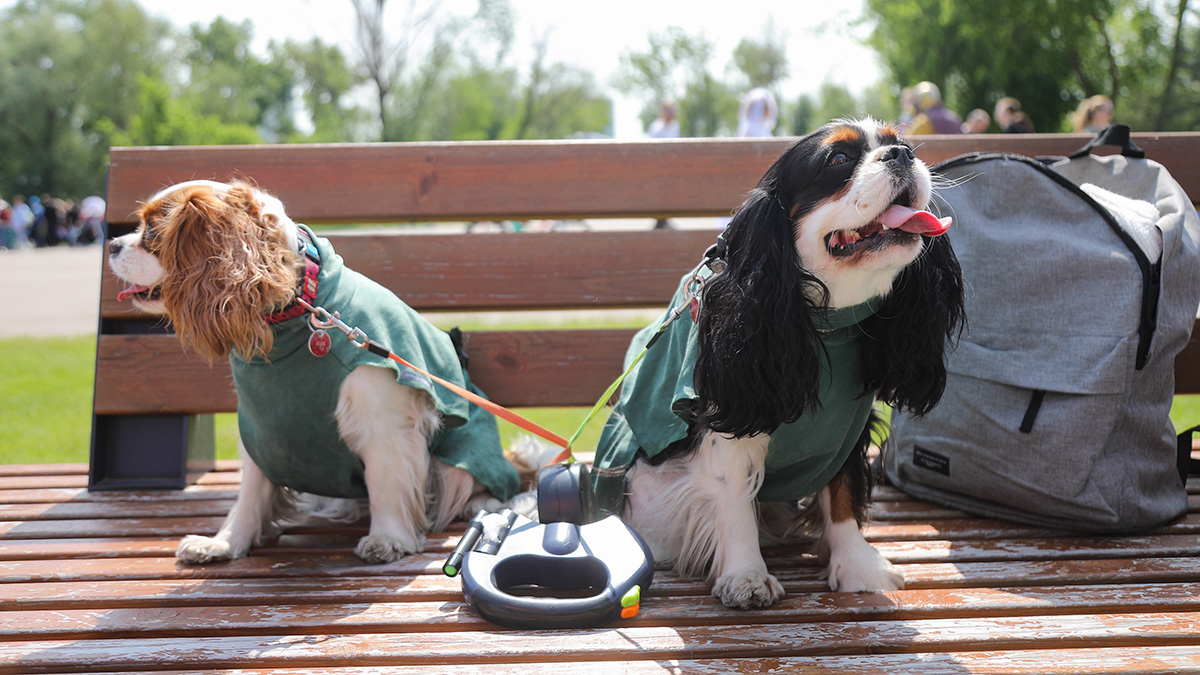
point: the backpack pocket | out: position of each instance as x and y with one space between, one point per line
1020 422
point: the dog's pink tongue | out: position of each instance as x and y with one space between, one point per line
132 290
912 220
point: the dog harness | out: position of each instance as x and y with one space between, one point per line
803 456
286 401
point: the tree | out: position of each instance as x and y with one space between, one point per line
387 61
1049 54
324 79
228 80
449 87
762 62
164 119
65 67
675 68
978 51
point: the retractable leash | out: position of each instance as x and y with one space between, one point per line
515 570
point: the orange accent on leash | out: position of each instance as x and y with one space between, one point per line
494 408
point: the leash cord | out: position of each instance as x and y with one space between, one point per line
322 318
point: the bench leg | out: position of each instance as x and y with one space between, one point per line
148 452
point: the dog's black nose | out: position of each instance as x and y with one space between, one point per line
900 154
114 247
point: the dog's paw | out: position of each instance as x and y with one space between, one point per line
862 570
747 590
484 501
197 550
381 548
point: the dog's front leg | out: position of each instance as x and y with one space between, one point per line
854 564
738 572
388 425
244 524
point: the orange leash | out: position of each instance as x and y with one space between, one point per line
494 408
322 319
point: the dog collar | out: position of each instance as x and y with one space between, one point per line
308 285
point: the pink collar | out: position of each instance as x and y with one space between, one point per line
308 286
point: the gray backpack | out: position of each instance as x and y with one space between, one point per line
1082 280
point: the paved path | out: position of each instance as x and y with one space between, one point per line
50 291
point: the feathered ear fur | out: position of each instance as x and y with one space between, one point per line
225 267
758 348
904 351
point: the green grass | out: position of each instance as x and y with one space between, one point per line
46 399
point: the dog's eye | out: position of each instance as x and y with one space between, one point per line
837 159
149 236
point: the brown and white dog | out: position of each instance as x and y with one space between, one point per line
225 264
837 222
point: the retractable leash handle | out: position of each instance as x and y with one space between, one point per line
571 573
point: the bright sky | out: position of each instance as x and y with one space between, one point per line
824 37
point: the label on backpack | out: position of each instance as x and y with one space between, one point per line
927 459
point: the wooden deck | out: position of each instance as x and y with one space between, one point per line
88 583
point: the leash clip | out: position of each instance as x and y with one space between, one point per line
321 319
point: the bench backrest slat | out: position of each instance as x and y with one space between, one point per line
551 270
389 182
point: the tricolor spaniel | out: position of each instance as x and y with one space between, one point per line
316 414
833 288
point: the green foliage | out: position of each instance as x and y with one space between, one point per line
465 85
64 66
163 119
762 62
675 68
1049 54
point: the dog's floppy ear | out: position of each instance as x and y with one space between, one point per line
904 352
756 325
223 271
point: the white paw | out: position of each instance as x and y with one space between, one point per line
483 501
525 504
862 570
747 590
380 548
197 550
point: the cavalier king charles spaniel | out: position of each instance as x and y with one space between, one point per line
831 288
316 414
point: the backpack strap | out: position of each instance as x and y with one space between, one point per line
1115 135
1187 465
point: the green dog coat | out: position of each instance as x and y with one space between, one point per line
802 457
286 402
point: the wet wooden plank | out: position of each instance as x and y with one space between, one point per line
120 510
425 616
312 588
1107 661
656 642
43 469
81 495
802 571
983 528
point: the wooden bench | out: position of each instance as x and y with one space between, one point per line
153 402
88 582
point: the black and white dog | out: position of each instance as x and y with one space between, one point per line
837 289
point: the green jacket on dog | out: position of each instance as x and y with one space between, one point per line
803 456
286 402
